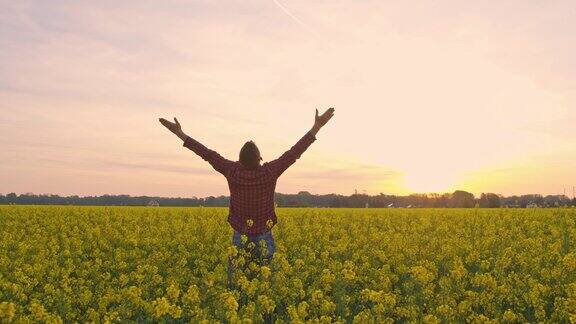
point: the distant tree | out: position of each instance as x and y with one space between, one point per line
438 200
461 199
358 200
417 200
305 199
490 200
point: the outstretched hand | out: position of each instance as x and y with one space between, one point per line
173 127
321 120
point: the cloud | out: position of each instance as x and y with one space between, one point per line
152 167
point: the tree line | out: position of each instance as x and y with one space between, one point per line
457 199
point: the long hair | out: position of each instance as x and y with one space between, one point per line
250 155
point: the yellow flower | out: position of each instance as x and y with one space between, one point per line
232 251
509 316
266 304
161 307
249 222
173 292
175 311
269 223
229 301
265 271
7 310
123 280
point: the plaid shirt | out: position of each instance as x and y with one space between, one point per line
251 209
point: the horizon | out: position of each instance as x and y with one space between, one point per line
429 97
428 194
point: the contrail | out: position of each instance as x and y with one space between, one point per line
300 22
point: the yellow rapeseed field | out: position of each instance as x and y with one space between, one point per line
140 264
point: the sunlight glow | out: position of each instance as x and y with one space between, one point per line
427 181
429 96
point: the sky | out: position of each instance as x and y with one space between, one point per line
429 96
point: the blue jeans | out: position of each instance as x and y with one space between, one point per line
255 252
266 237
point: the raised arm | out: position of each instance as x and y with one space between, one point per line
219 163
282 163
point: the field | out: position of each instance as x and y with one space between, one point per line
142 264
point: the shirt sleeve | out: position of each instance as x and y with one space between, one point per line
282 163
218 162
